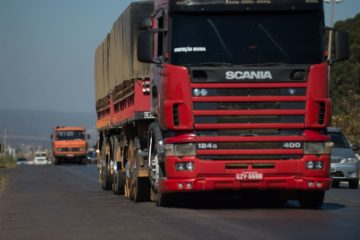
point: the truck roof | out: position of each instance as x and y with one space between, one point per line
69 128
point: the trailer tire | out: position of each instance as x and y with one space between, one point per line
141 185
105 176
311 199
118 186
142 189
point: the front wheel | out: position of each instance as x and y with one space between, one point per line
311 199
157 166
335 184
354 184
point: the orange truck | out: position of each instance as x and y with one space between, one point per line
69 144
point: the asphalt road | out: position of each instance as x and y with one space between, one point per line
66 202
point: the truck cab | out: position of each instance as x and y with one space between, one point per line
69 144
240 93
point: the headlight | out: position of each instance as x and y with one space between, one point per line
314 165
82 149
184 166
318 147
187 149
59 149
349 160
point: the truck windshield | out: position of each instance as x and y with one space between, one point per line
70 135
261 38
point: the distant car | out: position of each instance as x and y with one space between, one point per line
21 161
344 163
91 156
40 158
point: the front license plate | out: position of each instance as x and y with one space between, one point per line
70 155
247 176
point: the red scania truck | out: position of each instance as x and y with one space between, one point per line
196 96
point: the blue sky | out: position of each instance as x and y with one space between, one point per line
47 49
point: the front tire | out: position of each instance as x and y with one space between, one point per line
157 167
354 184
335 184
311 199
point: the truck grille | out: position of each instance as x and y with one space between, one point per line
249 120
69 149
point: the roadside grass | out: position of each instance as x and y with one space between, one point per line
7 161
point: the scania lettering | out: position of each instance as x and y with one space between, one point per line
199 96
248 75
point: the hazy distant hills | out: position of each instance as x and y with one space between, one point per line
34 127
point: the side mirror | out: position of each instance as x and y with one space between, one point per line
145 47
88 136
342 46
52 136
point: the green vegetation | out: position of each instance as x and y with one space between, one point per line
7 161
345 84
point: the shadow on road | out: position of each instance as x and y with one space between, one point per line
240 200
229 200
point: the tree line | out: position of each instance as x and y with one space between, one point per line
345 84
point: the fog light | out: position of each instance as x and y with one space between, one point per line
311 184
180 186
310 165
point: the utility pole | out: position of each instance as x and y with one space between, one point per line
332 13
5 141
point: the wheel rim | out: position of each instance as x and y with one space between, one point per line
154 164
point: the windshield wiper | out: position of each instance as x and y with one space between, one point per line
276 44
222 42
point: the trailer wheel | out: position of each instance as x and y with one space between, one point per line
311 199
118 185
105 177
141 185
119 182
